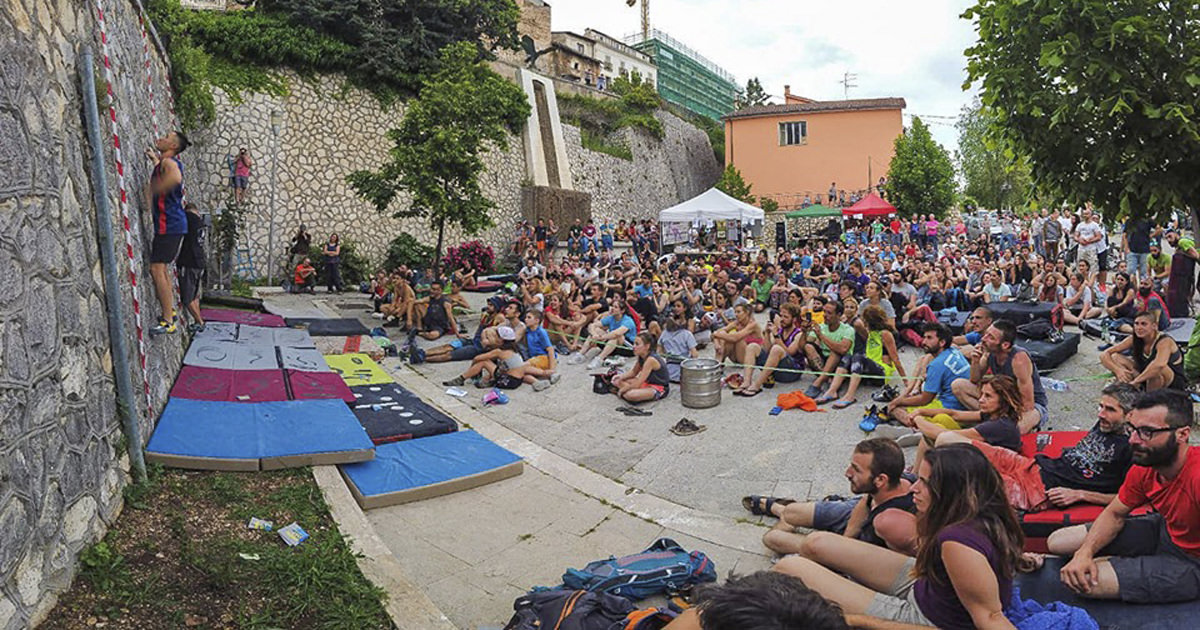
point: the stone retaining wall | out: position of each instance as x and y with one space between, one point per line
61 449
329 131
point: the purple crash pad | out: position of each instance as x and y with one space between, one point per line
318 385
241 317
214 384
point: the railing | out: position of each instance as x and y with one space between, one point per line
637 38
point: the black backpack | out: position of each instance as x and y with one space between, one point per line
582 610
1038 329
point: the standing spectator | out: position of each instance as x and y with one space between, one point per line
241 175
1182 276
1135 241
191 265
301 243
539 237
1052 231
833 194
1090 237
333 259
165 192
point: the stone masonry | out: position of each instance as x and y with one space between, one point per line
329 131
62 463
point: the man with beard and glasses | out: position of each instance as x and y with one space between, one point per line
1153 558
882 514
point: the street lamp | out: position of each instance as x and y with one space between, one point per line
276 120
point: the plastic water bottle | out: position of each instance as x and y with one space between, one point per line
1054 384
1106 330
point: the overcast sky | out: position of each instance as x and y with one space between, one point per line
909 49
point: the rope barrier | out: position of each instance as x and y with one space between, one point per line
128 227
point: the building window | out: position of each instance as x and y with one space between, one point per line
580 47
793 133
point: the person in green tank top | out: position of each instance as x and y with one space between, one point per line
879 358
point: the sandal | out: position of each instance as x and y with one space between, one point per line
750 393
634 411
842 404
761 506
822 399
686 427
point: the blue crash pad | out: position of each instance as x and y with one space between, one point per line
216 435
1044 586
432 466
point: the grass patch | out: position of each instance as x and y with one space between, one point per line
601 144
174 559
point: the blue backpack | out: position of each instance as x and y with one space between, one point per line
663 567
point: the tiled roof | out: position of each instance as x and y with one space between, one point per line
818 106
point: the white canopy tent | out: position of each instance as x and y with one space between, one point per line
706 209
713 205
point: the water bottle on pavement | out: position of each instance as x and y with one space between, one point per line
1106 330
1054 384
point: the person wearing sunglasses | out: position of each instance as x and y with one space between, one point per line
1153 558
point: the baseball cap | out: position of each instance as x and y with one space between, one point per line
506 333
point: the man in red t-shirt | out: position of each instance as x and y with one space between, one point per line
305 278
1155 558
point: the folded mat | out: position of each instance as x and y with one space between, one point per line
241 317
358 369
415 470
257 436
391 413
1047 355
1044 586
339 327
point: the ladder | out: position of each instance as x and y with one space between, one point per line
244 266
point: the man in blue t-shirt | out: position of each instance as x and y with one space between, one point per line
606 334
947 365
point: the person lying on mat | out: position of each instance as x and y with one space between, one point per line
1154 360
306 277
766 599
1091 471
649 378
1147 559
882 513
968 550
998 355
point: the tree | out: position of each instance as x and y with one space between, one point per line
992 179
1100 96
921 177
732 184
752 96
436 153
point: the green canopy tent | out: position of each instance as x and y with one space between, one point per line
814 212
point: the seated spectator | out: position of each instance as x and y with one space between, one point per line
1078 301
995 290
1089 472
968 550
826 344
1154 558
732 340
882 513
1147 299
977 323
539 370
997 355
434 314
606 335
994 423
878 360
465 275
564 322
485 339
649 378
761 286
305 278
676 343
784 340
1154 360
946 366
767 599
485 365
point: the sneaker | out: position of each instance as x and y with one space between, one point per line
813 391
164 327
594 364
555 378
377 315
614 362
885 395
484 383
576 359
416 356
540 385
902 434
455 382
194 328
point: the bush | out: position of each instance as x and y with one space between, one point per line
355 267
408 251
481 256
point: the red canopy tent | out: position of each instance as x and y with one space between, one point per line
870 206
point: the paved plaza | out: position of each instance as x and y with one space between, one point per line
598 483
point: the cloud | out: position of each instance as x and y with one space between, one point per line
908 49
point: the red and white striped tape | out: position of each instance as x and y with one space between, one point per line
128 227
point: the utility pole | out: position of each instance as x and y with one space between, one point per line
847 82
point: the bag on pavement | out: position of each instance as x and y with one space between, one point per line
582 610
663 567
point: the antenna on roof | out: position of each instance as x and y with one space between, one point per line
847 83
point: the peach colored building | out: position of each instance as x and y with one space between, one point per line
799 149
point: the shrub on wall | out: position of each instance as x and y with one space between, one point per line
408 251
481 256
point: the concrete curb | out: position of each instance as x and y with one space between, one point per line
718 530
406 604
